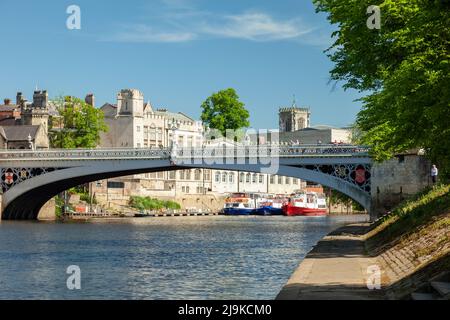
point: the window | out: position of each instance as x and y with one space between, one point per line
207 174
138 129
183 189
188 174
254 178
241 177
160 175
272 179
231 177
217 177
159 136
172 175
181 175
247 178
261 178
224 177
116 185
280 180
288 180
294 180
187 189
181 141
198 174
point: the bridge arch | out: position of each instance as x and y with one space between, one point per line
24 201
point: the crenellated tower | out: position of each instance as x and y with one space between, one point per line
294 118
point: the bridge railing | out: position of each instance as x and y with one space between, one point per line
271 151
186 152
73 154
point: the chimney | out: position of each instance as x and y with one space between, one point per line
7 101
90 99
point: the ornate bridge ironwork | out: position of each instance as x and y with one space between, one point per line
30 178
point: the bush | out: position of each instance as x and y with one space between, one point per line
146 203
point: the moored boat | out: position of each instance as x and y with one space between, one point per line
239 204
271 207
306 204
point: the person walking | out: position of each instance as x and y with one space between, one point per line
434 174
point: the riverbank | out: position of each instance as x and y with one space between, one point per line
409 247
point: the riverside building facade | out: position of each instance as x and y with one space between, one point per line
134 123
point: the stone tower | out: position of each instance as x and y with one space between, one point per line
294 118
36 113
130 102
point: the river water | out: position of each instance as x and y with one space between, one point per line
158 258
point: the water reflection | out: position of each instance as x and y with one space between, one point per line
158 258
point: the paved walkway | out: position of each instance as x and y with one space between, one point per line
336 269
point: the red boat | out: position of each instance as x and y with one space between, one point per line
306 204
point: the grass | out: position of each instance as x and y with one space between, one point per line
146 203
430 207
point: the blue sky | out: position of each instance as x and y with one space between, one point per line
177 52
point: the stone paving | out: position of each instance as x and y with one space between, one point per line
337 267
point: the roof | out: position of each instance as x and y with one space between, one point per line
8 107
109 110
19 133
172 115
9 121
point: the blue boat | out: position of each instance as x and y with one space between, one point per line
270 206
268 211
238 211
239 204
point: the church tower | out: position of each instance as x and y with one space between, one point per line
294 118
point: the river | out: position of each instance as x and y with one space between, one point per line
158 258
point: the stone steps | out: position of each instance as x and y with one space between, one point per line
436 289
443 288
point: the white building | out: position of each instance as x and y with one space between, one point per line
135 124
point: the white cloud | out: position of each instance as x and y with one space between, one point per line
143 33
192 25
256 27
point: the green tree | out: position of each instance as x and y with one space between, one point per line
403 68
78 125
223 111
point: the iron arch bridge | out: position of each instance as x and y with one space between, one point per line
30 178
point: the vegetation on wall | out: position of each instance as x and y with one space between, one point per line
146 203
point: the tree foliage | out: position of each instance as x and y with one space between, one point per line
404 68
78 125
223 111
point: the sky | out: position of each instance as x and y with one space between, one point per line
177 52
